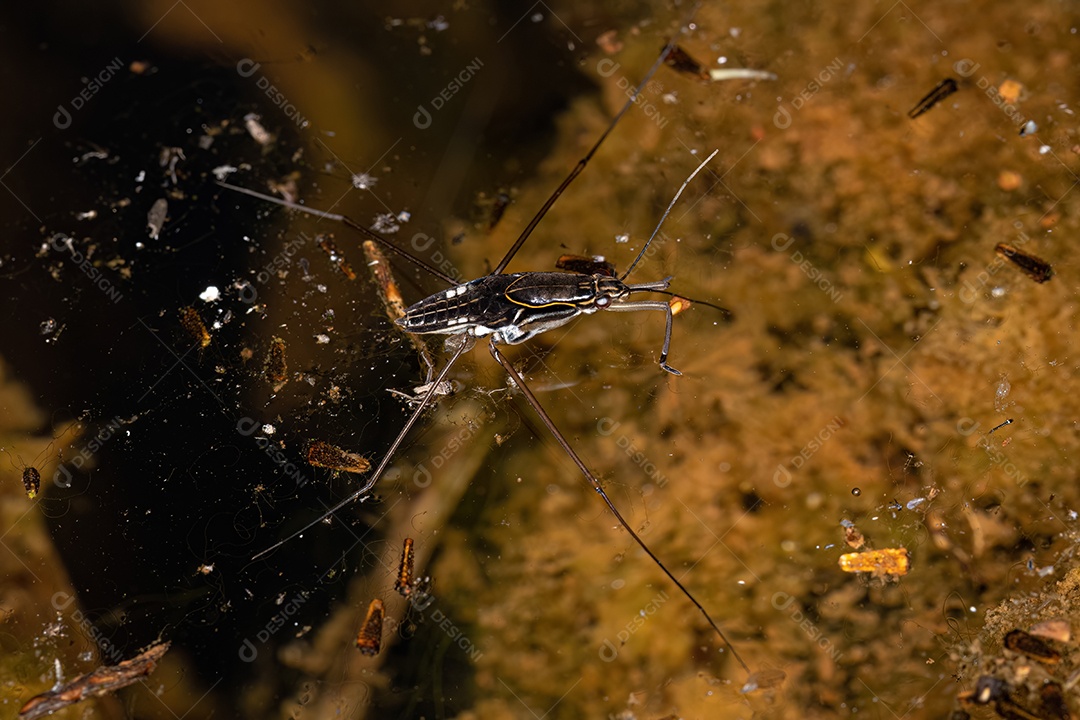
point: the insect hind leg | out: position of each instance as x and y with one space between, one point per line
572 454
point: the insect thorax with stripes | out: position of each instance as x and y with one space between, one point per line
513 307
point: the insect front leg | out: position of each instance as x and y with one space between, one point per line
632 305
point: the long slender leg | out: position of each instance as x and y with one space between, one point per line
559 438
386 458
632 305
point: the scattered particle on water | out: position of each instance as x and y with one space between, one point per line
537 17
721 60
1044 149
618 584
322 339
1029 128
223 171
856 492
912 504
404 216
256 130
210 294
725 467
48 327
622 238
363 181
269 429
1001 393
155 219
385 223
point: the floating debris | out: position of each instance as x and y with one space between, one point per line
1054 630
391 298
763 679
502 201
891 561
1035 268
1030 646
99 682
403 584
998 427
681 61
155 219
277 369
942 90
256 129
369 639
194 326
324 455
326 243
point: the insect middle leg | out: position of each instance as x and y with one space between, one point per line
633 305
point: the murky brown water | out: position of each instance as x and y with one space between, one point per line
877 340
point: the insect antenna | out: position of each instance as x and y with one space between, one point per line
663 217
348 222
668 49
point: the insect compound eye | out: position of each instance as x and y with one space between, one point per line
603 301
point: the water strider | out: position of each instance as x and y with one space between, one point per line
512 308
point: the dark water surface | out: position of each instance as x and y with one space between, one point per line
877 339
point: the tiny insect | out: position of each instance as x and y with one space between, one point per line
942 90
998 427
31 472
1035 268
369 639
